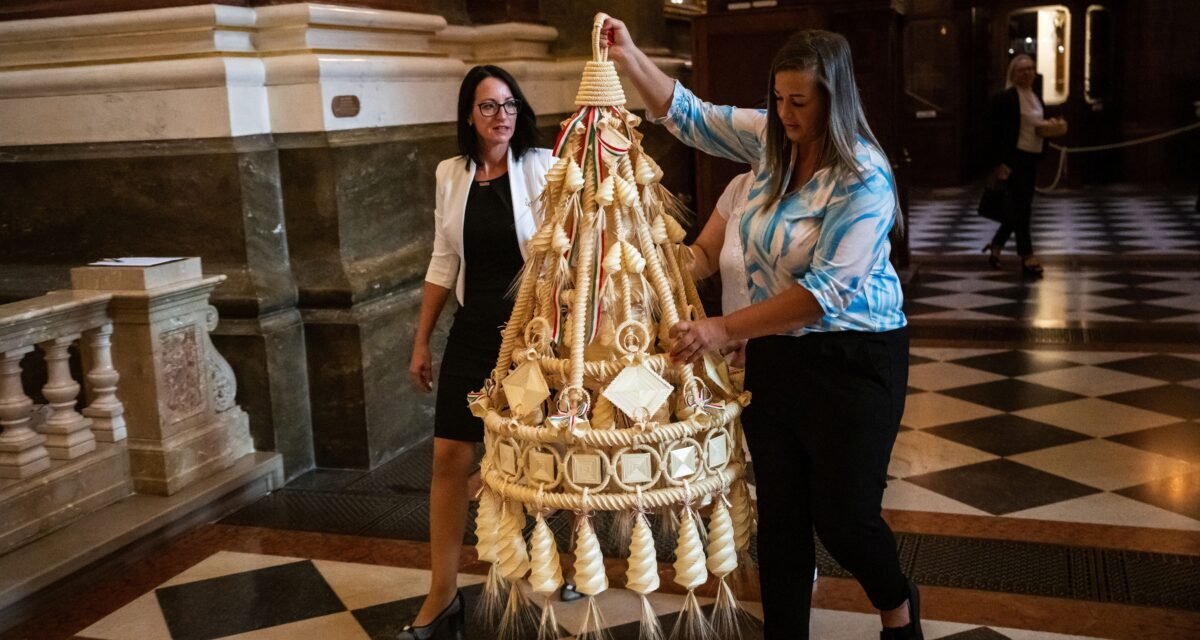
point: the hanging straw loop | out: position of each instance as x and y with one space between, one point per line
585 508
600 86
599 42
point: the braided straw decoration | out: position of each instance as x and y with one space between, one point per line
522 312
545 569
722 554
742 514
690 571
590 578
600 86
642 574
607 369
487 525
512 557
613 501
688 427
583 282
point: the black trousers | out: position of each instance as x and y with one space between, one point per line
1021 185
821 424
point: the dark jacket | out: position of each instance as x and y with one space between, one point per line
1005 126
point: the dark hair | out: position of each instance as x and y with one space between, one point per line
525 132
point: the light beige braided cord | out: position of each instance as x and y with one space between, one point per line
689 427
583 283
651 499
522 312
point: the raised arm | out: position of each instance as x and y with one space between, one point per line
651 83
722 131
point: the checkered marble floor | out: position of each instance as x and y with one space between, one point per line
251 596
1118 220
1078 436
1087 295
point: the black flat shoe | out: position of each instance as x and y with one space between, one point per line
993 255
912 630
451 623
568 593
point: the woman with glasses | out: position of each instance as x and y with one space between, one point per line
483 217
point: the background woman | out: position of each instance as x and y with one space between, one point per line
1014 150
719 247
483 218
827 360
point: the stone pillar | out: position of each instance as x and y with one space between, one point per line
176 389
106 411
22 450
68 433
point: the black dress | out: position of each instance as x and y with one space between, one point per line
1002 149
492 259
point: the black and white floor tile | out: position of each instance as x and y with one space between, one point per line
1115 220
1080 436
246 596
1076 295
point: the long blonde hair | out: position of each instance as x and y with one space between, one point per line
827 56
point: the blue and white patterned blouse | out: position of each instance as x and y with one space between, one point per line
830 236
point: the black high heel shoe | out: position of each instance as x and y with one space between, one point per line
1031 268
912 630
450 623
568 593
993 255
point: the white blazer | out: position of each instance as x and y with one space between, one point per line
526 177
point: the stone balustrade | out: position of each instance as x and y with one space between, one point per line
171 422
53 323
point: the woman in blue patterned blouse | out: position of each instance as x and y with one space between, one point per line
827 360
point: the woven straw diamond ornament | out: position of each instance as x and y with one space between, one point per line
585 411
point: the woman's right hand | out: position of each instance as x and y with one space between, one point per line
421 368
620 44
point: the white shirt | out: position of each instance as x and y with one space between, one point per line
730 206
1032 115
526 178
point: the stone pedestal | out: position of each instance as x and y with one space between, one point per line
177 390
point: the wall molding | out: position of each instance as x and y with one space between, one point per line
218 71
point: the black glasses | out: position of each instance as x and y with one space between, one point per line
491 108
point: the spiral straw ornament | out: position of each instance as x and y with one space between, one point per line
590 578
487 525
690 570
642 574
722 554
512 557
545 574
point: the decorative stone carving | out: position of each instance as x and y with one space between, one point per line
221 381
178 400
181 372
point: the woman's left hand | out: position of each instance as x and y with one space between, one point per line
696 337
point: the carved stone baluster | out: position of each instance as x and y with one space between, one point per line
106 411
67 432
22 450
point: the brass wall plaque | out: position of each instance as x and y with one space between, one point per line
345 106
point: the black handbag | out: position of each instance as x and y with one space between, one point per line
993 204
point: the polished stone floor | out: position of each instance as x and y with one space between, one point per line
1045 484
1119 220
